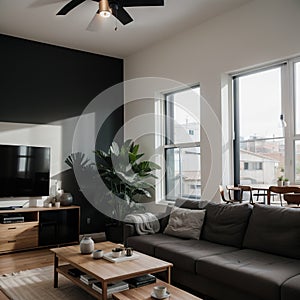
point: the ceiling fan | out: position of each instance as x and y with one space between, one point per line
114 7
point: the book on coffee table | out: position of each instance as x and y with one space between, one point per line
87 279
141 280
113 287
75 272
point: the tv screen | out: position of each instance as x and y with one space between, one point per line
24 171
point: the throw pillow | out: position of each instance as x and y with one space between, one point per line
185 223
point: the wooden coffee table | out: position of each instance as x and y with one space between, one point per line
144 293
103 270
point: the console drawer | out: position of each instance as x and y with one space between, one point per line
17 236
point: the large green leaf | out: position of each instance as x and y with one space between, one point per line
76 160
124 175
134 157
142 191
114 149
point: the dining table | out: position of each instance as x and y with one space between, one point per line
261 190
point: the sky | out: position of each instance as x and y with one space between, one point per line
260 104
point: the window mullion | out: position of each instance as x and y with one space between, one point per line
288 111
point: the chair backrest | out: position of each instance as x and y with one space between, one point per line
282 190
222 193
292 198
246 188
221 190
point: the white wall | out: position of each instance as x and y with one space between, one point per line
259 32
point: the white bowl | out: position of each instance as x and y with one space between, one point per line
97 254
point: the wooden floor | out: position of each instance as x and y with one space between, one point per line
20 261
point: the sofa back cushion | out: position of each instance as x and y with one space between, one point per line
226 223
274 230
191 204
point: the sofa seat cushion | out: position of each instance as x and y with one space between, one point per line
184 254
290 290
226 224
147 243
257 273
274 230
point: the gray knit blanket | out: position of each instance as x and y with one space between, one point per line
146 223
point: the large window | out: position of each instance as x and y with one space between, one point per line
297 95
297 118
182 144
267 122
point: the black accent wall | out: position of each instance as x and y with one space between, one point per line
41 83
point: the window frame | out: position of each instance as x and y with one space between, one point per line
181 145
288 109
295 137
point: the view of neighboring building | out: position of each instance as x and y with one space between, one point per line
261 161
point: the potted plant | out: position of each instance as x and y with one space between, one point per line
280 181
286 182
127 178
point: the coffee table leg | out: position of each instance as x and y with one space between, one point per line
104 290
169 275
55 271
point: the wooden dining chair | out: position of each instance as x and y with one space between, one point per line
247 189
234 193
230 200
292 199
281 190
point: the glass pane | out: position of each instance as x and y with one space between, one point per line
297 161
261 161
260 105
183 173
191 172
297 96
183 116
173 189
262 147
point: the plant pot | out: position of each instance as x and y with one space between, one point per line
280 183
286 183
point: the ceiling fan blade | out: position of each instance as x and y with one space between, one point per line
131 3
69 6
122 15
96 22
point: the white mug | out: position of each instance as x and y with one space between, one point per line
116 252
159 291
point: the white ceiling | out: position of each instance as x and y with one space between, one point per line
37 20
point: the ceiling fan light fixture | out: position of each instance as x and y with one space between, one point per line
104 9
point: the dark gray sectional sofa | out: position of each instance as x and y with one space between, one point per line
244 252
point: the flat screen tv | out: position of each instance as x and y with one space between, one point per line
24 171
